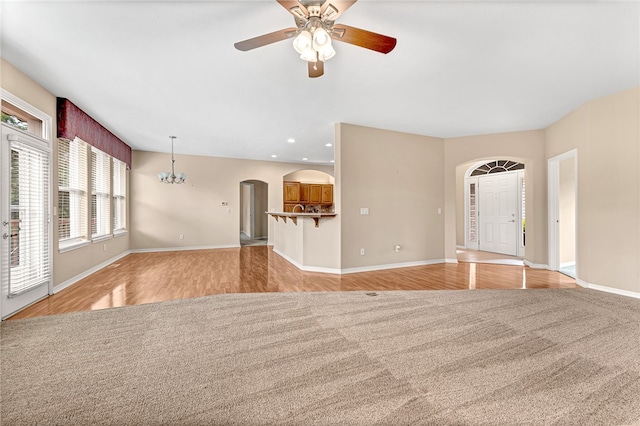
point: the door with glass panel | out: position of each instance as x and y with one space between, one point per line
25 267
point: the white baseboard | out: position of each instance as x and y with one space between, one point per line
306 268
358 268
461 247
567 264
451 261
391 266
155 250
606 289
535 265
88 272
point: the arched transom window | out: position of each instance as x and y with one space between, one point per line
497 166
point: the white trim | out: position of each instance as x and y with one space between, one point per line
76 245
153 250
535 265
88 272
567 264
460 247
47 122
361 268
100 238
553 206
306 268
392 266
606 289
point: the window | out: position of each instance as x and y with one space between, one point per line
20 115
100 194
119 196
72 193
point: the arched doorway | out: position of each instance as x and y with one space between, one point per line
494 193
253 205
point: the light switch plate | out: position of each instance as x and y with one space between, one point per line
364 210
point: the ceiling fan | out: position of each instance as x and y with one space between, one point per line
315 28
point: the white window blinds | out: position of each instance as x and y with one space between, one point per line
72 192
100 194
119 196
29 227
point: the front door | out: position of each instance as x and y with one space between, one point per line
24 209
498 208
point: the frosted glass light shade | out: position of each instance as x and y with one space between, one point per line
321 39
326 53
302 42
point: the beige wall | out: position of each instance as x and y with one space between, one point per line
70 264
245 206
606 134
310 176
260 205
160 213
398 176
525 147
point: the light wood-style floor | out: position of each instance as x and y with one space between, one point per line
156 277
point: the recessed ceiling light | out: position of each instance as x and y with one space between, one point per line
274 156
291 140
328 144
304 158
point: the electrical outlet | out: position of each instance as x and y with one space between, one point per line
182 236
361 252
364 210
104 247
396 248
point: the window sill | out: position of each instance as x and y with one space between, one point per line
72 246
122 233
101 238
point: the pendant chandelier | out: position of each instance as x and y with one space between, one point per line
172 177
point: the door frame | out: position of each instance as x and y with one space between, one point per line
45 136
5 204
553 220
468 179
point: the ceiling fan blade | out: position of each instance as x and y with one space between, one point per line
265 39
296 8
332 9
363 38
316 69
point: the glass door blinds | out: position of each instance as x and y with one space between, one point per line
26 239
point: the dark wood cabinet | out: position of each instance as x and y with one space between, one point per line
304 193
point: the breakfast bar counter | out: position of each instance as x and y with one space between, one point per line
310 241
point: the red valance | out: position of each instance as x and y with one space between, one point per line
73 122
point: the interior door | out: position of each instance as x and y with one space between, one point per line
498 208
26 237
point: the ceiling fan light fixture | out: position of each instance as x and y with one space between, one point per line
303 42
309 55
326 53
321 39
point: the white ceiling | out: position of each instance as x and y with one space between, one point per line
147 70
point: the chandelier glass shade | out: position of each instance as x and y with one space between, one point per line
314 44
172 177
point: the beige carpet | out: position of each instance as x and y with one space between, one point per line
484 357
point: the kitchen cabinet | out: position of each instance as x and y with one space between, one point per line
327 194
291 192
304 193
315 193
